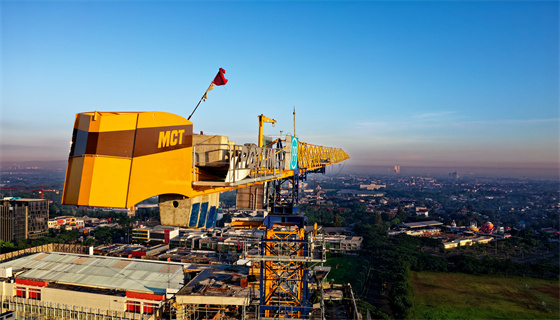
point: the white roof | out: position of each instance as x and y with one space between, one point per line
100 272
422 224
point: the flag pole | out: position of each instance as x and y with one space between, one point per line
219 80
204 95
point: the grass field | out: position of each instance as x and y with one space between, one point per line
463 296
347 269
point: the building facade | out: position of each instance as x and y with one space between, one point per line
37 217
343 244
161 234
23 219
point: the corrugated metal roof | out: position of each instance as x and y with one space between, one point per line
80 260
423 224
97 271
40 256
121 264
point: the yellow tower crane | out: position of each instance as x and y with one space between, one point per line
118 159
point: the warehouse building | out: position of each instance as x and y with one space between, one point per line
418 229
82 286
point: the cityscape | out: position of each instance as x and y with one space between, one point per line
392 229
260 160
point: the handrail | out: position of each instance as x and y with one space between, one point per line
259 162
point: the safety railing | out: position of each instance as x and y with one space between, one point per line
241 161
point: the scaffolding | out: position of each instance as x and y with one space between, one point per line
285 253
35 309
207 312
280 260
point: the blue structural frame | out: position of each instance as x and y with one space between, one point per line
211 219
202 216
194 215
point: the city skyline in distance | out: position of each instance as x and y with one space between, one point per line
417 84
366 170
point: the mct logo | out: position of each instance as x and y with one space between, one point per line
170 138
294 154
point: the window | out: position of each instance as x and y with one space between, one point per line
21 292
34 293
157 235
133 306
150 307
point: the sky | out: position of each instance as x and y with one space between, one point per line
410 83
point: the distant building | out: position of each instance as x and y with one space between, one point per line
130 250
372 186
421 229
345 244
466 242
69 222
422 211
12 222
52 224
23 219
359 193
161 234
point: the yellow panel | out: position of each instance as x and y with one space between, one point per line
112 122
71 191
160 119
109 185
161 173
85 184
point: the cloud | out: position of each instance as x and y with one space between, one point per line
435 116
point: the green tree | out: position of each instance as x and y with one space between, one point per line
104 234
378 218
401 214
386 216
89 242
337 221
7 246
22 244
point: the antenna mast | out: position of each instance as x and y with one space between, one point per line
295 121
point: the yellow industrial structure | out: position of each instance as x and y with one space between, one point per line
118 159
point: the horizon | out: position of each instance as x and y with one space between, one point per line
542 173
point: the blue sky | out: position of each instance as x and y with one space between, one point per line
421 83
